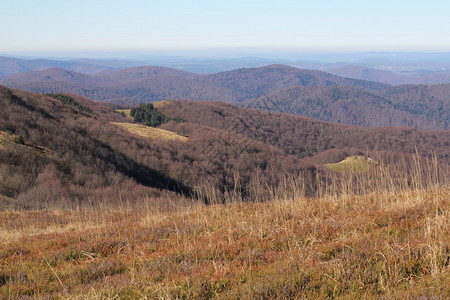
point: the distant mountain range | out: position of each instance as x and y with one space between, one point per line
364 73
278 88
10 66
391 69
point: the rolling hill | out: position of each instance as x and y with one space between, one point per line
72 151
143 84
416 77
364 73
10 65
305 137
57 153
54 76
410 106
304 92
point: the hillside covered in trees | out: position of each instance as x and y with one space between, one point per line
52 148
279 88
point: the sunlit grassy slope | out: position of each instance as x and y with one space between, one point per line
352 163
127 113
378 245
15 141
150 132
160 103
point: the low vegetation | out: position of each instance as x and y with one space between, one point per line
151 132
160 103
353 164
70 101
126 113
377 245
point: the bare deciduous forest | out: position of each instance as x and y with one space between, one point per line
281 88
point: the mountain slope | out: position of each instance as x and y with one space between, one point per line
303 92
80 160
137 73
70 151
54 151
145 84
353 106
305 137
10 66
53 77
364 73
253 82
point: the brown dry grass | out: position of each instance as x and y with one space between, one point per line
389 245
127 113
352 163
160 103
151 132
390 242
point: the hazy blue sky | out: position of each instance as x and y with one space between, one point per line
314 25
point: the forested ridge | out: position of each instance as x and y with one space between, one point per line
277 88
74 154
305 137
89 159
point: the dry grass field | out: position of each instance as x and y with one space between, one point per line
127 113
160 103
379 245
150 132
352 163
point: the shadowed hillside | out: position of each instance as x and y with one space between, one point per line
79 159
51 151
221 152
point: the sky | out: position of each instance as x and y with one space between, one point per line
148 25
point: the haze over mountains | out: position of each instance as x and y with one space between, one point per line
279 88
390 68
417 77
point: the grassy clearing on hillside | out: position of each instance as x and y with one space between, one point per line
151 132
127 113
7 140
160 103
352 163
388 245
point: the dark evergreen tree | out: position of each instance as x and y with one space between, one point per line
149 116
